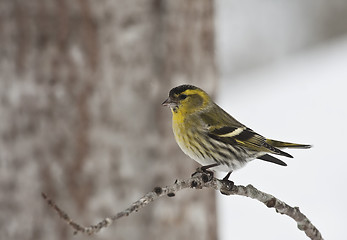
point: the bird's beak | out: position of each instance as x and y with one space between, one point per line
169 102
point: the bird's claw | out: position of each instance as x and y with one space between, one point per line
227 186
207 175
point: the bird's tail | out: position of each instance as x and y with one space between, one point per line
279 144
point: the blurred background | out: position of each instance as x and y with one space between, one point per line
81 84
283 73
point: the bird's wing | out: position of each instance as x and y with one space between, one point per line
220 126
245 137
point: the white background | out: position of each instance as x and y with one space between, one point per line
299 98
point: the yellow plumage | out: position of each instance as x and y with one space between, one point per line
209 135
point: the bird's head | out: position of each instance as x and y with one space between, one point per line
187 99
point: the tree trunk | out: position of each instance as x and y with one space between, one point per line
81 86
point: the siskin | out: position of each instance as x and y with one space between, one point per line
213 138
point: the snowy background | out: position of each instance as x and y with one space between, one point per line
283 68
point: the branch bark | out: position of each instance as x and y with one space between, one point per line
198 180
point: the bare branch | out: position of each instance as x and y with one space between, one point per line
198 181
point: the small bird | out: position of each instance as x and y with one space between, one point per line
213 138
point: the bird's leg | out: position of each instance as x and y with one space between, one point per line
204 169
227 184
226 178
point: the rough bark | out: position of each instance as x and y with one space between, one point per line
81 84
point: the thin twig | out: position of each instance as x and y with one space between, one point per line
198 181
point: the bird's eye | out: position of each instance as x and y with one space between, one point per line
182 96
